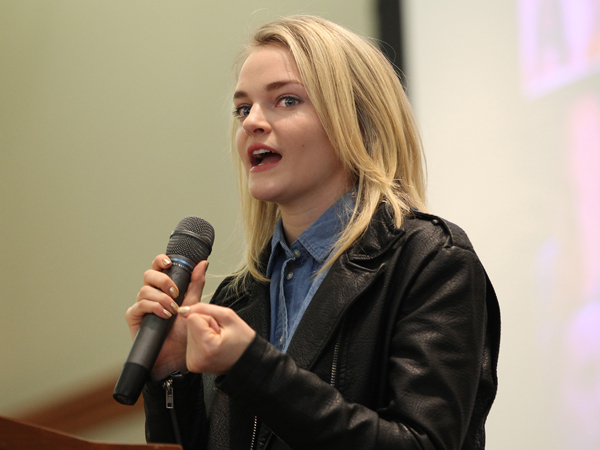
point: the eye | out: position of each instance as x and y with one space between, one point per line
288 101
241 111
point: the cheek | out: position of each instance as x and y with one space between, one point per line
240 141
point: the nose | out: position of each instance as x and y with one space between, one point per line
256 121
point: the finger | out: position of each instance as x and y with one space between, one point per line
197 282
161 281
210 321
203 326
223 316
152 294
136 312
161 262
211 351
203 349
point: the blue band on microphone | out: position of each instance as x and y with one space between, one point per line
181 262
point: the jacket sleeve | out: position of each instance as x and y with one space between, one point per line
436 365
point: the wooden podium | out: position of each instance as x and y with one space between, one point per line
15 435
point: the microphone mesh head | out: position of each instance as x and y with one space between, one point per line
192 238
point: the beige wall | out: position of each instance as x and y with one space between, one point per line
113 122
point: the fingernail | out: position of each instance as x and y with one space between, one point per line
173 292
175 307
167 313
166 262
184 309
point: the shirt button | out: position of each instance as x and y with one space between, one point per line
289 276
297 253
281 341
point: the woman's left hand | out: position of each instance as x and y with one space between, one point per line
217 337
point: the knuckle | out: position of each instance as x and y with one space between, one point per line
145 291
148 275
229 313
158 261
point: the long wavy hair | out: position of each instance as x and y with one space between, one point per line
367 117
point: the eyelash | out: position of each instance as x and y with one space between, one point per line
289 97
237 111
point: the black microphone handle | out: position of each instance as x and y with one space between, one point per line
150 338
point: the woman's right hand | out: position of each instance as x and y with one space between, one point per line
157 297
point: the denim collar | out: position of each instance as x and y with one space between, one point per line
320 238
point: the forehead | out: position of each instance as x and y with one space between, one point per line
267 64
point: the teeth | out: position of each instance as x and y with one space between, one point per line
260 152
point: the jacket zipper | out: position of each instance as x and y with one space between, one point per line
168 386
254 433
336 354
334 367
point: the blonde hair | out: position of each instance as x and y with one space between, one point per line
366 115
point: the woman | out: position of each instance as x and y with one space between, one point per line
357 321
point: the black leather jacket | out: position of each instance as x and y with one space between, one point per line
397 350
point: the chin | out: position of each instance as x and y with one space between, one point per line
264 193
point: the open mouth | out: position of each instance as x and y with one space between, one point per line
262 157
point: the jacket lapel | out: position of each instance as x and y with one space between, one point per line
341 287
257 311
351 275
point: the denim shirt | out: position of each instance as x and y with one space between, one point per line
293 269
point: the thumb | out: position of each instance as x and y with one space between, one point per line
197 282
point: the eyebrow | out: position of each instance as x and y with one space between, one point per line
270 87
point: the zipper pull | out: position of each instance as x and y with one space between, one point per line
168 385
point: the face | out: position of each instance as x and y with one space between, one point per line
281 141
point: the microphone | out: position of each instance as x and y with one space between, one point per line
190 243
